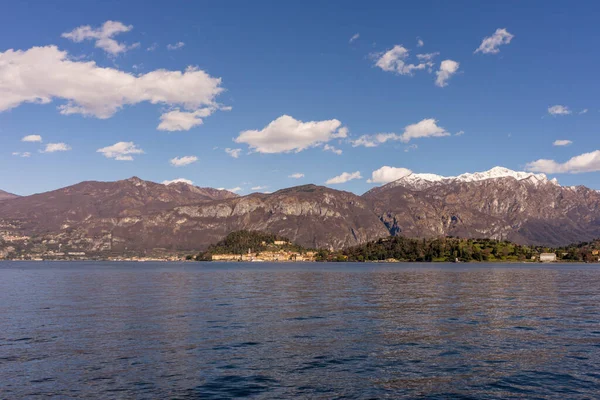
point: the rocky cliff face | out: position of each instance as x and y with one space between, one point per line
516 206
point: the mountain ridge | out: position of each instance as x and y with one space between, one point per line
134 215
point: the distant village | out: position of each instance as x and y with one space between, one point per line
277 254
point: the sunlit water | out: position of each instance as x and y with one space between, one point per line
156 330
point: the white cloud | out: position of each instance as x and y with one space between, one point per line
102 36
121 151
178 120
447 69
424 128
41 74
587 162
332 149
286 134
259 187
343 178
235 153
31 138
54 147
387 174
559 110
175 46
182 161
490 44
354 37
152 47
420 42
459 133
25 154
411 147
428 56
297 175
584 111
562 143
235 189
178 180
394 60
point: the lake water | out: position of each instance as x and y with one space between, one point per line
272 331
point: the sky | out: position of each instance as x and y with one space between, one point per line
263 95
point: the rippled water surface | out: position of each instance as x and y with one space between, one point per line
156 330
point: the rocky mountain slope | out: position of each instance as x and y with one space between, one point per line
7 196
138 216
135 215
499 204
89 201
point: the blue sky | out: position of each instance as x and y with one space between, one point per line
295 59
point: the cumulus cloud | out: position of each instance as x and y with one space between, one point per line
175 46
54 147
121 151
235 153
343 178
235 189
31 138
286 134
259 187
490 44
447 69
587 162
178 180
297 175
420 42
562 143
394 60
559 110
387 174
424 128
25 154
354 37
41 74
332 149
182 161
103 36
178 120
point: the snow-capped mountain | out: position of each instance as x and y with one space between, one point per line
423 181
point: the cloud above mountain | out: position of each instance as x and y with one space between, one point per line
43 74
425 128
587 162
183 161
121 151
343 178
287 134
387 174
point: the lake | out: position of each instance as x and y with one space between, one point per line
272 331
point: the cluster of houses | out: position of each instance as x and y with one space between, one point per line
267 256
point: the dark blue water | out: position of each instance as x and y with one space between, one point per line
154 330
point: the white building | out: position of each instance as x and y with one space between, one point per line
548 257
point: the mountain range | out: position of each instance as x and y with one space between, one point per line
137 216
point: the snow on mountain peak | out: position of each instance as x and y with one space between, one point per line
422 181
